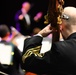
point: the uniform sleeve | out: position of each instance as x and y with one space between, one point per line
32 60
17 55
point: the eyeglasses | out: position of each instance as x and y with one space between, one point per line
64 17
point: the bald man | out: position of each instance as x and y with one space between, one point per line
61 58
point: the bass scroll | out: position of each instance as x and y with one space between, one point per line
53 16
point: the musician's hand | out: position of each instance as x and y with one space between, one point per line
38 16
21 17
46 31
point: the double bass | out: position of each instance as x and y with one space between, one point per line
53 16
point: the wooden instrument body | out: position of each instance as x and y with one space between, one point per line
54 12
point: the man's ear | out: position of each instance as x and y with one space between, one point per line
60 27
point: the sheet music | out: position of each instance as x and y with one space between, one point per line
46 44
20 42
5 54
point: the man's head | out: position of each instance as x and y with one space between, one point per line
26 7
4 31
68 25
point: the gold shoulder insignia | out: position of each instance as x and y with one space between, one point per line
29 52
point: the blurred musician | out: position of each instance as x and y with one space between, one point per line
10 55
